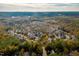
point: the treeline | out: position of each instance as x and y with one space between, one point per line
12 46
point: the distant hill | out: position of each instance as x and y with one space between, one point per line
8 14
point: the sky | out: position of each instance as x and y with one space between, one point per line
39 1
21 5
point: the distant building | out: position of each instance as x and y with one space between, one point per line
49 39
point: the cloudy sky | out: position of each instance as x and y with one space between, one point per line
36 7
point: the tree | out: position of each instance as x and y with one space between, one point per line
74 53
